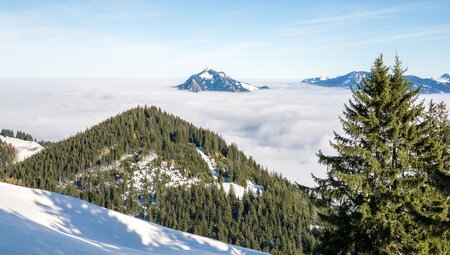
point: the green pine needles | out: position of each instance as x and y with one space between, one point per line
387 185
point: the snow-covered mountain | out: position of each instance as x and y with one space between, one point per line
346 80
445 78
41 222
24 149
210 80
429 85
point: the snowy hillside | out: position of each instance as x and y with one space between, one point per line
210 80
429 85
24 149
40 222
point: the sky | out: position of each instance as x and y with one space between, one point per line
246 39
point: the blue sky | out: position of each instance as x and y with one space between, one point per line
246 39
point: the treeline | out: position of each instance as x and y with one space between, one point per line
278 221
24 136
19 134
7 154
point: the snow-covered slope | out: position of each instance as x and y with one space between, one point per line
210 80
40 222
445 78
24 149
346 80
429 85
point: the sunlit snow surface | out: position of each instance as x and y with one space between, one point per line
248 86
40 222
24 149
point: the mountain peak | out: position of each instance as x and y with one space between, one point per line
445 78
208 70
211 80
428 85
346 80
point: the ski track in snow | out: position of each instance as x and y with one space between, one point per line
40 222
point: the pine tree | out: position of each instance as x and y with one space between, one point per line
7 133
383 199
438 145
436 157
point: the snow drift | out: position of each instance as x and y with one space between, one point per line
40 222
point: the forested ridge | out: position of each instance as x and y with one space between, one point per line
101 165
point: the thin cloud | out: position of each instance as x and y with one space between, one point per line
317 27
281 128
425 34
365 14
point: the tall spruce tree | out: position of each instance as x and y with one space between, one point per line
438 146
379 185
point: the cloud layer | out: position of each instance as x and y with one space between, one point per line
282 128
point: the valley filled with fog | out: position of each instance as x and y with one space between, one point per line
282 128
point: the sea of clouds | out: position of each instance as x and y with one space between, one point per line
282 128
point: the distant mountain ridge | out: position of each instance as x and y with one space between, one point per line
429 85
211 80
